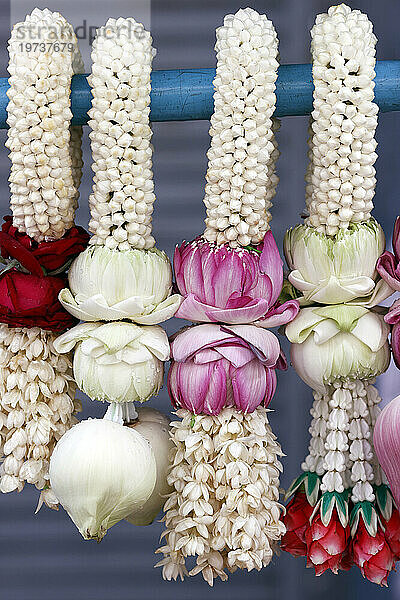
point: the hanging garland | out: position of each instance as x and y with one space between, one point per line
37 244
224 509
341 503
121 285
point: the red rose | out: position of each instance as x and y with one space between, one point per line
326 544
32 301
372 554
296 520
52 254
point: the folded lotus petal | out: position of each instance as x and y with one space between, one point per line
146 383
205 356
115 336
115 382
325 330
395 343
372 330
65 342
249 385
381 291
192 339
302 326
280 315
164 311
264 343
194 310
132 356
393 316
237 355
386 267
93 347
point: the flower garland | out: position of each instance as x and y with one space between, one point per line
341 502
224 508
121 286
37 243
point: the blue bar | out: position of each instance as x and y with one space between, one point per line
187 94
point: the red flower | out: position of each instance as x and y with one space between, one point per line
392 533
51 255
296 520
372 554
326 545
32 301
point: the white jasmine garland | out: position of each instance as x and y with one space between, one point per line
314 462
44 151
224 509
110 285
121 202
101 472
341 176
241 179
332 270
117 362
37 406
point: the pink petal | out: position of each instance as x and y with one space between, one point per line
386 267
249 385
216 396
271 386
280 315
393 316
226 279
235 354
264 343
194 310
191 340
205 356
188 385
395 343
271 264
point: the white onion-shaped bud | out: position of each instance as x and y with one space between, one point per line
111 285
117 362
101 472
154 426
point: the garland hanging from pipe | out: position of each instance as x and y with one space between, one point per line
342 512
224 509
121 286
37 244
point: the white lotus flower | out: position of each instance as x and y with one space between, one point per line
101 472
332 270
117 362
154 426
111 285
338 342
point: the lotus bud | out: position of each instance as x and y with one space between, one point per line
117 362
101 472
216 366
332 270
387 444
111 285
154 427
231 285
338 342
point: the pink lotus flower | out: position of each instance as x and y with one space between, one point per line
230 285
216 366
372 554
387 444
326 545
388 265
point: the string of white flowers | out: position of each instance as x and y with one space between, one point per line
225 505
45 155
314 461
336 443
121 202
241 179
341 176
37 406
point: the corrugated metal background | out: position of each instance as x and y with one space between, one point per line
43 557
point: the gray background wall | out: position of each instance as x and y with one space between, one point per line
42 557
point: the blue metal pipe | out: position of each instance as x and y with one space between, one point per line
187 94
